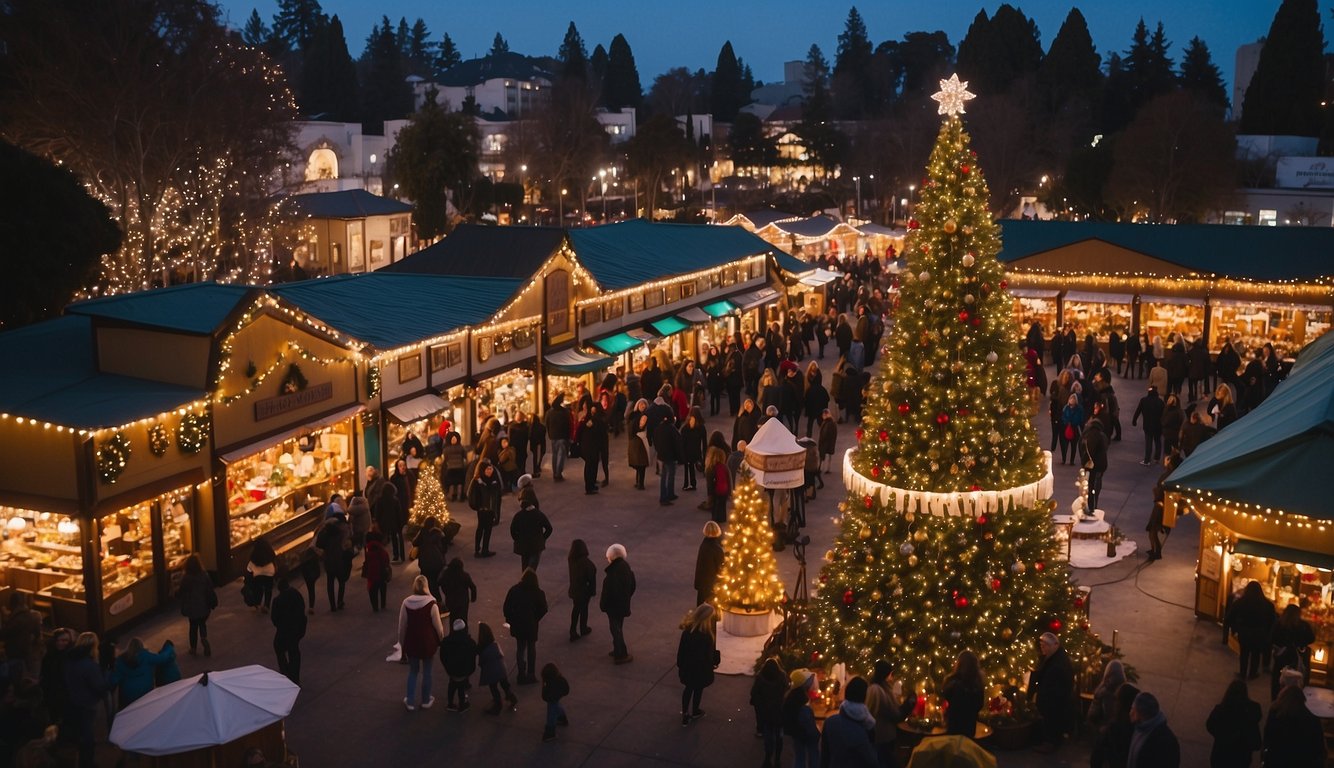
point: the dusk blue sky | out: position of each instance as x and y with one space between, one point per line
765 33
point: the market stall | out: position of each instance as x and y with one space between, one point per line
1255 322
1032 305
1096 313
1264 515
1166 315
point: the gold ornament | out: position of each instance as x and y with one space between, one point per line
919 536
864 532
1007 633
875 594
950 226
912 563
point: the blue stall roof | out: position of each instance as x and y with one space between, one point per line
347 204
483 251
198 308
392 310
67 389
1261 254
634 252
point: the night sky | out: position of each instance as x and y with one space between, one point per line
765 33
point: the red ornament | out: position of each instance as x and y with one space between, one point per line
964 169
904 408
995 585
875 471
982 520
869 502
860 434
815 655
883 435
942 418
977 321
824 578
974 487
963 316
1039 565
913 224
1056 625
848 597
960 602
1004 283
1079 602
964 412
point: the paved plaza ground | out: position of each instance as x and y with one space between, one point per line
350 710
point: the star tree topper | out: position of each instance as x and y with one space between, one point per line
952 95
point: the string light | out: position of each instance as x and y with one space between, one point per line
748 580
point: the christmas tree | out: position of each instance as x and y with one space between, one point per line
748 581
946 540
430 498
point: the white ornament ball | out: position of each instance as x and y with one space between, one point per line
969 298
1018 567
992 357
924 276
968 260
905 548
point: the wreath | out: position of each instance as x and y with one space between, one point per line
158 440
192 433
112 457
294 381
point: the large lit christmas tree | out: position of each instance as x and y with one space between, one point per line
946 540
748 581
429 500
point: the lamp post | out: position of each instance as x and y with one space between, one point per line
523 189
912 189
858 181
602 176
561 223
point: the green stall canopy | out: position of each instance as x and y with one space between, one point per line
615 345
669 325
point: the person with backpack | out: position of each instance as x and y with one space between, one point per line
458 655
419 635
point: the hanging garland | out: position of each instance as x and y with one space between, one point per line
192 433
373 380
158 440
112 457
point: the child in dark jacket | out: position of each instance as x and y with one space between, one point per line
458 654
554 688
766 696
492 662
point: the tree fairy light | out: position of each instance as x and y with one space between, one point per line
946 538
748 581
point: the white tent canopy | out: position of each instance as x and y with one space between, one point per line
775 457
204 711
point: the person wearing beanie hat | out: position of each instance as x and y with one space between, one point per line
458 654
846 740
527 492
799 720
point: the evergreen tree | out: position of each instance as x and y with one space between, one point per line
976 51
499 45
447 55
436 153
1072 67
328 76
385 93
429 501
1116 96
1284 95
296 21
945 541
998 51
815 86
1149 70
852 84
573 56
725 96
748 144
421 51
748 581
1201 76
620 86
401 36
597 65
255 33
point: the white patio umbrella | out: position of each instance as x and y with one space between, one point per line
204 710
775 457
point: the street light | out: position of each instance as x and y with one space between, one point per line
602 175
912 189
561 223
858 181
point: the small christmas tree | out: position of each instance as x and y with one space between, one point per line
946 540
430 499
748 581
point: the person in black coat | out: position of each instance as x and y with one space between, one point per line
484 494
964 690
525 605
746 423
1252 618
817 400
618 586
430 544
667 444
583 585
87 686
1094 444
1150 409
1052 684
530 530
694 437
458 589
793 397
458 655
1293 737
288 614
1155 526
1291 640
696 658
1235 725
593 446
334 541
1152 745
388 515
766 696
708 562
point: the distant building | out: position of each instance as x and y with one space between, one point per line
791 89
332 157
347 232
509 83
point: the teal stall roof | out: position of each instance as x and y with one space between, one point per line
635 252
